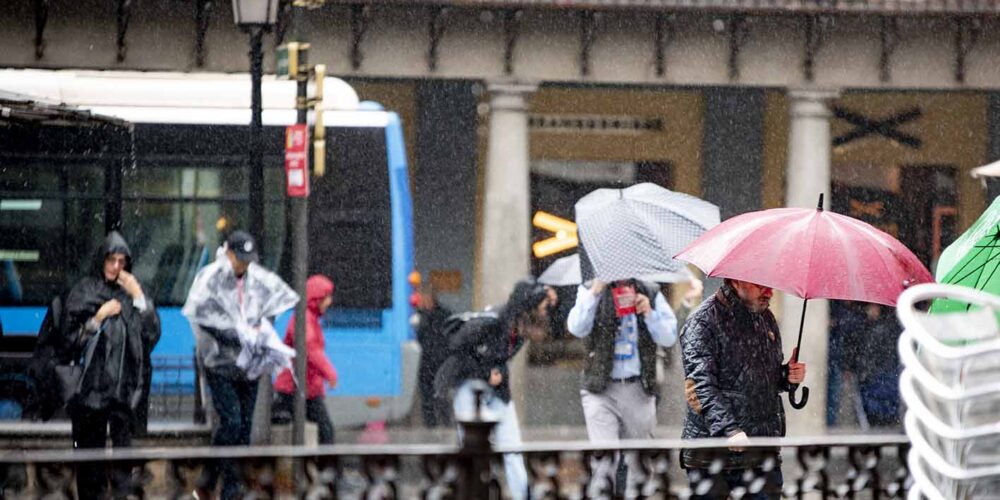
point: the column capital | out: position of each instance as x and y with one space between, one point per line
510 95
807 102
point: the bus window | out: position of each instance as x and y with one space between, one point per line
188 190
350 219
51 214
171 240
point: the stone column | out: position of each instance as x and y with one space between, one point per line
505 240
808 175
505 229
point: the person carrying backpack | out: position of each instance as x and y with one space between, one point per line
480 348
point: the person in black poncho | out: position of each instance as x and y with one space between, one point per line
110 325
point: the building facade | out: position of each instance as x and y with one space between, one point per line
514 106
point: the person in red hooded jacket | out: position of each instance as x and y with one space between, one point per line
319 296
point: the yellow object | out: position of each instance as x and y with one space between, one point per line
565 234
319 73
549 222
319 143
319 157
319 128
293 59
553 245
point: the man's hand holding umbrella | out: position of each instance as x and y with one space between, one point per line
796 370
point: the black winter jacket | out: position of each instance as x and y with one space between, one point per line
733 376
432 339
484 342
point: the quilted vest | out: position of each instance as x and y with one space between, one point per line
601 341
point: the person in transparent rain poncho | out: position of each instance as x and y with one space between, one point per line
230 306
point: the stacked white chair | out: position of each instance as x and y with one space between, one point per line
951 386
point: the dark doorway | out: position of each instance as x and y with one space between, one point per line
917 205
928 199
555 189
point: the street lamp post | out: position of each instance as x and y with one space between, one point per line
256 17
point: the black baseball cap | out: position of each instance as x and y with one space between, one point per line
243 245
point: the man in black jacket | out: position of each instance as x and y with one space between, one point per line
480 351
112 326
733 379
431 318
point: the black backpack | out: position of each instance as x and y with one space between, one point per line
45 398
451 372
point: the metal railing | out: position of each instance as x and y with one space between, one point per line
827 467
907 7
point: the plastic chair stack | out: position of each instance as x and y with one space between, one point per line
951 386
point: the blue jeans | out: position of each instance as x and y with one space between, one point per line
506 433
880 399
234 400
733 478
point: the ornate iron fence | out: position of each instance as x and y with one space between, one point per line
828 467
909 7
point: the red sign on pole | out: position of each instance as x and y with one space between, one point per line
297 160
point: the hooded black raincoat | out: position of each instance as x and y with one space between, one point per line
118 370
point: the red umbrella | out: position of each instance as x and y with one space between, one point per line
810 253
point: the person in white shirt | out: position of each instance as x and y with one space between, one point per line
622 324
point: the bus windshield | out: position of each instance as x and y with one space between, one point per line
350 219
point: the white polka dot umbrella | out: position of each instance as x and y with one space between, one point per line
565 271
636 231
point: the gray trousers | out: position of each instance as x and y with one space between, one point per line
622 411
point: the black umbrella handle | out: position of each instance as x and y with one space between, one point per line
798 405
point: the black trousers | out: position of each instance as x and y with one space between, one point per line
726 480
315 412
90 430
435 411
234 400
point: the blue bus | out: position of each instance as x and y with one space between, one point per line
165 163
